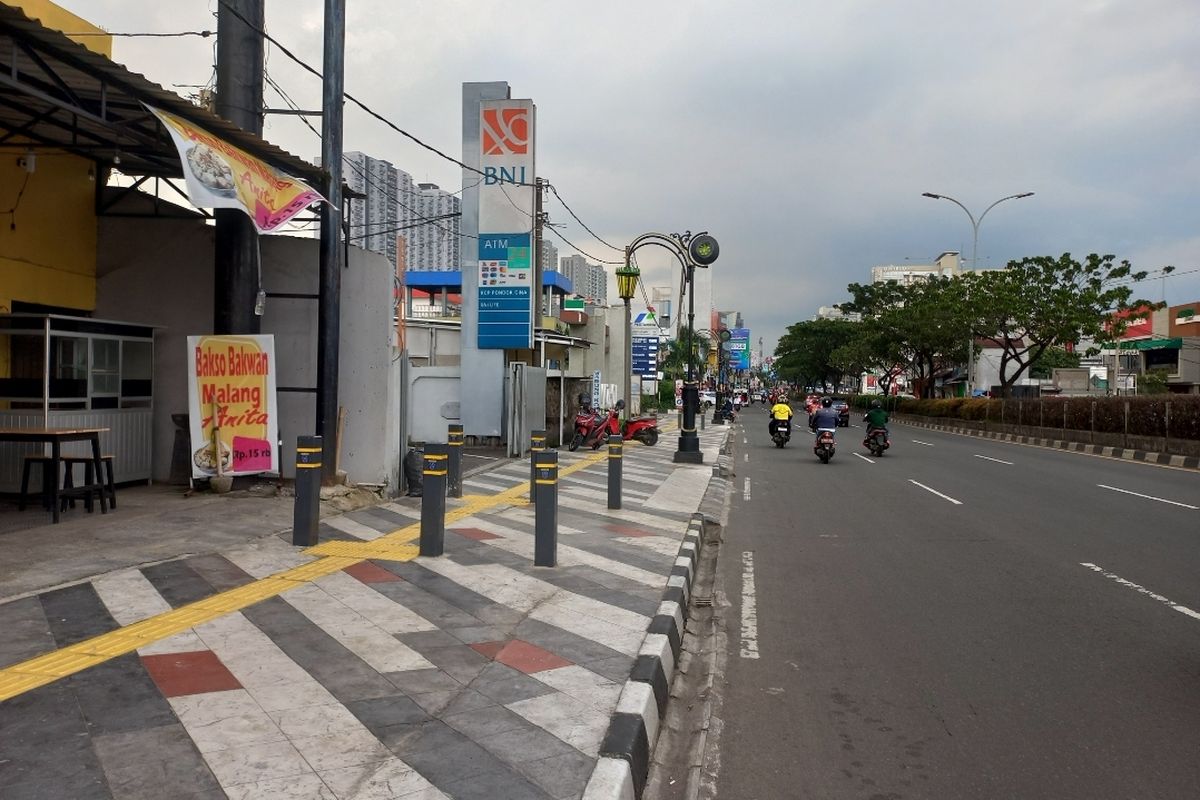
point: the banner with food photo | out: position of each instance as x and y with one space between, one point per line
233 415
219 175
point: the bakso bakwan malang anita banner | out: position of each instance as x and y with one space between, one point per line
232 406
219 175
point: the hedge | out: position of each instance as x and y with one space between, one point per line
1147 414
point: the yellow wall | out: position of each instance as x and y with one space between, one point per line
50 256
59 19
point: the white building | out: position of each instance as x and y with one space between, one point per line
833 312
433 237
588 279
378 219
947 264
549 259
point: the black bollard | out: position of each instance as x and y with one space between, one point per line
545 524
307 510
537 444
454 440
433 500
616 446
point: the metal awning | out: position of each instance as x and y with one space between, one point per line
57 94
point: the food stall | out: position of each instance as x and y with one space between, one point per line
75 372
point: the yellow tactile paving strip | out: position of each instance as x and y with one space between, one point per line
331 556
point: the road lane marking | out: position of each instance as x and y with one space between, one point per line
1142 590
997 460
746 457
746 491
918 441
864 458
749 608
935 491
1148 497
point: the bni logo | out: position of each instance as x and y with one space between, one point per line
505 131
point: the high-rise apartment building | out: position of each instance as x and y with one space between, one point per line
589 280
433 237
549 259
375 220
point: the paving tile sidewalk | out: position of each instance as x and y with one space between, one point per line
474 675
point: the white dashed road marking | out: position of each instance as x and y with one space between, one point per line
746 490
997 460
918 441
1148 497
749 608
864 458
935 491
745 457
1143 590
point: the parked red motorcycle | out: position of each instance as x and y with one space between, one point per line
587 422
642 429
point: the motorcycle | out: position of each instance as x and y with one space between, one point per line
783 432
587 422
877 442
642 429
823 447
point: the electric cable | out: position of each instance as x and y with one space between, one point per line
581 222
583 253
164 35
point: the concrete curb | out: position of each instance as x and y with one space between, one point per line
624 761
1128 454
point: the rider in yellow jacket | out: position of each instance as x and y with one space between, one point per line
779 411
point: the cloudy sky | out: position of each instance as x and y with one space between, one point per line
801 134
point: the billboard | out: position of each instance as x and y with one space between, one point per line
233 418
507 273
739 349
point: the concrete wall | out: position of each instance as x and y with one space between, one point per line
160 272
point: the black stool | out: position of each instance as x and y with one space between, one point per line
88 478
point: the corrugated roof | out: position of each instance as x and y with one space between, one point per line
58 94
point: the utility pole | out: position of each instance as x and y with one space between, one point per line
236 270
539 292
330 259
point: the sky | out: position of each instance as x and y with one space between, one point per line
801 134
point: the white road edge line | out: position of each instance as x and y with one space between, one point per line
749 608
746 457
918 441
864 458
1143 590
997 460
935 491
1148 497
746 491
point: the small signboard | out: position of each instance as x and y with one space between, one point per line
234 418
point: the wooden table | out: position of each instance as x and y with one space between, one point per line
55 437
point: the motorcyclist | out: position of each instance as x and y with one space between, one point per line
876 418
779 411
824 418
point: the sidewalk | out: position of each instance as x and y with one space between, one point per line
354 669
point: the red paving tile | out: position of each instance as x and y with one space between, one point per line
489 649
189 673
475 533
370 573
625 530
529 658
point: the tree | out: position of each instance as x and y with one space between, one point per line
678 349
1042 302
923 325
805 354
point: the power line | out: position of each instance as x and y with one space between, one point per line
405 227
581 222
312 70
201 34
583 253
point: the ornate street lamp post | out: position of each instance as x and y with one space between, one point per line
627 280
975 223
700 250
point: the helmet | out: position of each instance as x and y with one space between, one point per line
875 404
826 402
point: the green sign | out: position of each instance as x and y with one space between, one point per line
1153 344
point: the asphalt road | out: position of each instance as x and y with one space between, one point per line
1022 633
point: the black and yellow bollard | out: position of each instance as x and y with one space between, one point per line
306 514
545 518
433 500
454 440
537 444
616 455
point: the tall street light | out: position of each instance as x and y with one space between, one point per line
627 280
700 250
975 223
